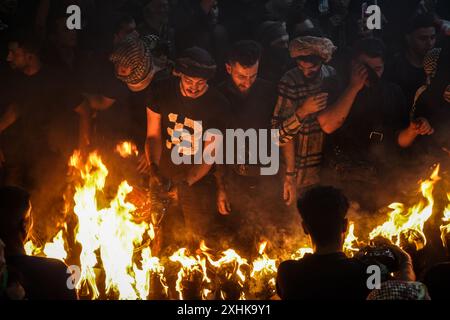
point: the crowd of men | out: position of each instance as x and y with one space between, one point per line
354 107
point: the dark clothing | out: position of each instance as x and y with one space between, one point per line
406 76
370 132
250 111
43 279
432 106
183 125
256 200
437 280
323 277
363 154
178 114
43 101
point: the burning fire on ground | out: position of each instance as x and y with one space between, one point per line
117 262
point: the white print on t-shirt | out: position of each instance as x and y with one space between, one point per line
180 135
187 147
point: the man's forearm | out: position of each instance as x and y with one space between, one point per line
288 151
153 150
406 138
219 175
333 117
85 123
288 128
197 173
9 117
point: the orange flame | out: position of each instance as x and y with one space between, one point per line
402 221
127 149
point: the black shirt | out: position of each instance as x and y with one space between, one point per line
406 76
375 119
182 113
42 278
323 277
253 110
47 120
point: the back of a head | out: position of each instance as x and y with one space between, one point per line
14 204
323 210
371 47
247 53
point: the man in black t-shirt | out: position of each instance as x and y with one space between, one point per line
179 112
244 193
365 149
39 128
406 69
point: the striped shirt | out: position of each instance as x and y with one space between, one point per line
308 136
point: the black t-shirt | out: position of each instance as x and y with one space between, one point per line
180 113
42 278
323 277
371 129
47 119
406 76
432 106
253 110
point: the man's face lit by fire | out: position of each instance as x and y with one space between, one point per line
18 58
309 69
192 87
422 40
243 77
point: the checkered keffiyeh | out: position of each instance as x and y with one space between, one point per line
312 46
400 290
430 65
134 52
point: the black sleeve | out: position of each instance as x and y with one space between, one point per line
402 115
153 102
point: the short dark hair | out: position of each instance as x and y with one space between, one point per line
323 210
28 40
372 47
420 21
247 53
14 203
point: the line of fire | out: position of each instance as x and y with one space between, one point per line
331 182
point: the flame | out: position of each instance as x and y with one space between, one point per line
150 265
404 222
127 149
115 246
300 253
264 271
189 265
350 241
445 228
31 249
55 249
263 266
110 233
